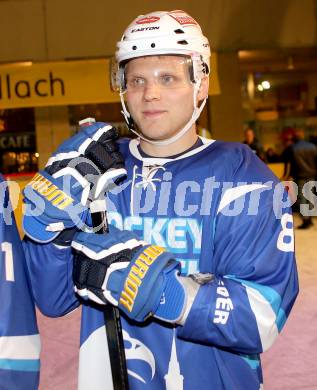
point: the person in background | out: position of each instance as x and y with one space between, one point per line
19 337
288 136
253 143
204 276
301 163
272 156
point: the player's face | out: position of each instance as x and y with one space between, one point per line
159 95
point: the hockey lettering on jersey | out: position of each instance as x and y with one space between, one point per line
223 305
232 231
19 338
181 236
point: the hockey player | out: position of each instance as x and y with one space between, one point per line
19 338
201 243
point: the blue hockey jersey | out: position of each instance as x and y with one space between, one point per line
220 211
19 338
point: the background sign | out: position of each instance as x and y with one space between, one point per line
17 141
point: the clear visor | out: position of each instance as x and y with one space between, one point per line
166 72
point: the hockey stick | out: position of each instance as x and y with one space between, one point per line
111 314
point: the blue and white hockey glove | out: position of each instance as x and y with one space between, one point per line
81 169
140 279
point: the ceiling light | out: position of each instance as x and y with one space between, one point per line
266 84
290 63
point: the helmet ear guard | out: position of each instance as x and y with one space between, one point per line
117 80
199 68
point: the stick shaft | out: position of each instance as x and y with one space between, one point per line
111 314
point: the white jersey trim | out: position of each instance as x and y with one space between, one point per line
234 193
134 143
20 347
94 362
265 317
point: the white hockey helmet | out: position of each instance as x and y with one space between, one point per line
163 33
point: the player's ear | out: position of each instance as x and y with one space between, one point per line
203 89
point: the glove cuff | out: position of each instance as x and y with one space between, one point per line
173 299
191 287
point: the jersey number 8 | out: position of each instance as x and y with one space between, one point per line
285 241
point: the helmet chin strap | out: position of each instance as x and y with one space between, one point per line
196 113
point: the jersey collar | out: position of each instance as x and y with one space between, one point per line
134 150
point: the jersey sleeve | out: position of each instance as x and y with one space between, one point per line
255 284
19 337
50 268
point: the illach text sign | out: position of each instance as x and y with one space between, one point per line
28 84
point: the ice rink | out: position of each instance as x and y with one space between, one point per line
290 364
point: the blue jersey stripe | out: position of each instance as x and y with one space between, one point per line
20 364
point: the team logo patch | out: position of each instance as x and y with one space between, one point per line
183 18
148 19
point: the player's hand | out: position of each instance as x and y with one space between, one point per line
82 168
140 279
